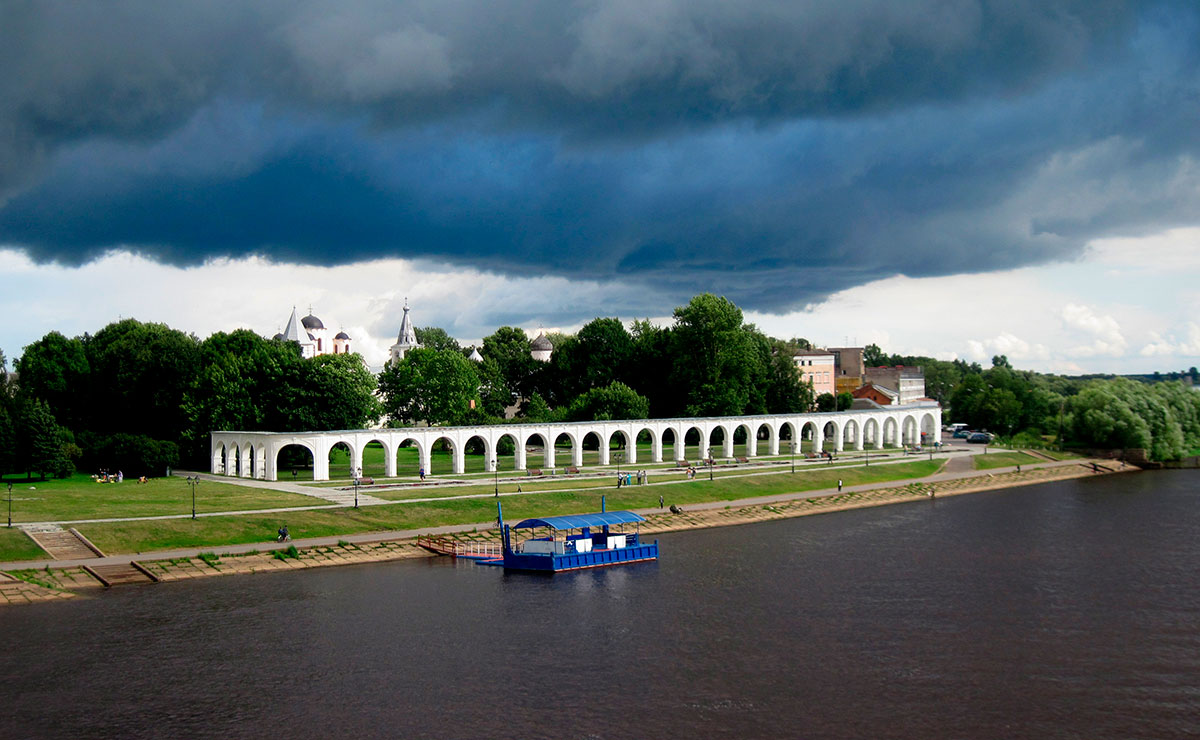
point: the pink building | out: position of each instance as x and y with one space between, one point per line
816 367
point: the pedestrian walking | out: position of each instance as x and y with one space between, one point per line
660 502
839 484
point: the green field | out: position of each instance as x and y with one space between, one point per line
117 537
1003 460
81 497
16 545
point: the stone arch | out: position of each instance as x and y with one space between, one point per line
749 445
292 466
671 439
573 448
810 432
718 441
697 441
626 447
872 434
851 435
477 462
410 456
547 449
507 460
375 456
339 467
655 442
928 429
891 432
451 461
218 459
908 430
771 437
831 433
259 460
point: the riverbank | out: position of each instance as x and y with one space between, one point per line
29 585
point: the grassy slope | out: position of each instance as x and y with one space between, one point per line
1003 460
118 537
16 545
80 497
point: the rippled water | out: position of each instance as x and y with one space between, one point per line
1062 610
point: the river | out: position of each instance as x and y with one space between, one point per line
1064 610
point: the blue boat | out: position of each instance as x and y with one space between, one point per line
577 541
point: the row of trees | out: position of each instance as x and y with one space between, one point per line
143 397
1088 412
708 363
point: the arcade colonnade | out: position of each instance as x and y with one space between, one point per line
255 454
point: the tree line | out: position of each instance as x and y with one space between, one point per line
142 397
1036 409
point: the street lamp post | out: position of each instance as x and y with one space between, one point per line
710 464
356 493
496 476
619 456
793 455
10 506
193 480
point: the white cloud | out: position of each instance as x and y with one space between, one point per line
1104 332
1160 346
1115 310
1007 344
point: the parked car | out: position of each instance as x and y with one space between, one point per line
979 438
961 434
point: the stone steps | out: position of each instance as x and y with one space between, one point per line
62 544
119 574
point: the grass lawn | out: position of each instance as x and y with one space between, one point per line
1059 454
80 497
1003 460
118 537
16 545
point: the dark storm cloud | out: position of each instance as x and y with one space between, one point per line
772 151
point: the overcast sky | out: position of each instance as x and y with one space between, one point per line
958 179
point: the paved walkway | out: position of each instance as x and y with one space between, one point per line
453 529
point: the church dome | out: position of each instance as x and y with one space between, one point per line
342 335
278 336
312 322
541 344
311 338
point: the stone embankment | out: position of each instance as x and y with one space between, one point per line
54 584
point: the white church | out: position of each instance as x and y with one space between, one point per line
312 336
314 340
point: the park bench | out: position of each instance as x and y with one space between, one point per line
572 470
742 459
810 456
366 481
682 464
533 472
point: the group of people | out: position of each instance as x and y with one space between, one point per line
626 479
106 477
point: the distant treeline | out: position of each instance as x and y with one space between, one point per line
1034 409
142 397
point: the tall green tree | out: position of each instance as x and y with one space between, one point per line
613 401
40 442
432 386
509 348
714 357
433 337
140 374
56 370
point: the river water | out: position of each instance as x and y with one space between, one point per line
1065 610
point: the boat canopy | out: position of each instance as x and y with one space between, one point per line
578 521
